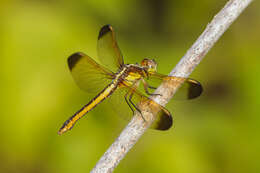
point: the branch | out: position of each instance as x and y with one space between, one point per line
135 129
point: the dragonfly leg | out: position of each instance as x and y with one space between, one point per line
130 100
151 87
146 86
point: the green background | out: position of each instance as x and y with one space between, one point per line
218 132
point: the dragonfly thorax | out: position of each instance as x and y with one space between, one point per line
134 72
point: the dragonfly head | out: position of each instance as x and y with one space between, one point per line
149 64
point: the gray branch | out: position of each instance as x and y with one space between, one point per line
135 129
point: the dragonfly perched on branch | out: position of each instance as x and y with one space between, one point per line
114 77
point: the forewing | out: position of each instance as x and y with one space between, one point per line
108 50
88 75
190 88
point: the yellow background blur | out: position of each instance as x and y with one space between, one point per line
218 132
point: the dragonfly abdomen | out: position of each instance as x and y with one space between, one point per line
106 92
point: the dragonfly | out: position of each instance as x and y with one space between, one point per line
113 77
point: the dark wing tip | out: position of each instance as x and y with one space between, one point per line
165 123
195 89
74 58
164 120
105 29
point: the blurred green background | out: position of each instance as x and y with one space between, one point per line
218 132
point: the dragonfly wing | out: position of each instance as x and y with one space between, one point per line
108 50
163 120
119 105
88 75
190 88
